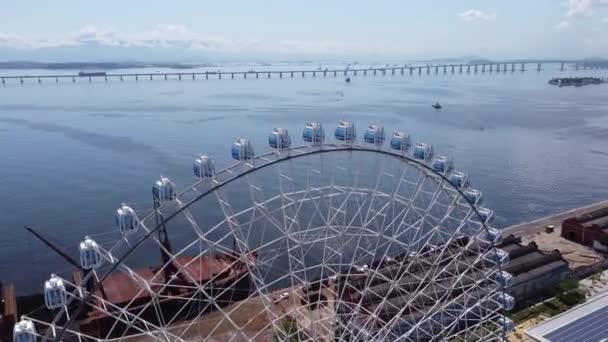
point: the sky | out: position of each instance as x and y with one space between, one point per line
497 29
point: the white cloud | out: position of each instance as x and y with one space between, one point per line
564 24
584 7
579 7
173 36
473 14
163 35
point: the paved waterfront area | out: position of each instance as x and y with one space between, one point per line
533 227
534 231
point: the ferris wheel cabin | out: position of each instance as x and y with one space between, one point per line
242 149
442 164
90 256
313 133
506 301
473 196
54 293
400 141
164 190
459 179
505 279
279 139
346 132
423 151
374 135
487 215
24 331
126 219
203 167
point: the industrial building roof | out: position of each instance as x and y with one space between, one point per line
527 262
586 322
593 215
538 272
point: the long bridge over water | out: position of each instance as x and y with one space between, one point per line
474 68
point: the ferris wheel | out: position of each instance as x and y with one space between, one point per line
328 241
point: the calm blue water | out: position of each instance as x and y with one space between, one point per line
71 153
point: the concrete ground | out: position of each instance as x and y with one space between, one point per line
575 254
533 227
250 319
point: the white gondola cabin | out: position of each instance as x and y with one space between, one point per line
313 133
423 151
24 331
442 164
459 179
492 235
473 196
504 279
54 293
400 141
126 219
498 257
486 215
346 132
242 149
374 135
203 167
90 255
279 139
164 190
506 301
506 324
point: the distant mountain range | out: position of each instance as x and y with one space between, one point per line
101 57
95 53
99 65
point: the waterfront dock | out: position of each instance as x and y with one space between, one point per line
536 231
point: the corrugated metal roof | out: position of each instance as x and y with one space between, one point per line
585 218
539 271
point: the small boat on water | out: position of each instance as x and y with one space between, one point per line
437 106
347 80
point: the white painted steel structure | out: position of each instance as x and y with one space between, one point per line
349 241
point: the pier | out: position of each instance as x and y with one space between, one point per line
451 69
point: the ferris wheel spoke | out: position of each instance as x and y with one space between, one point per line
439 303
419 290
243 248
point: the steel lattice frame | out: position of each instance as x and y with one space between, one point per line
351 243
